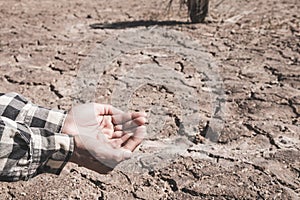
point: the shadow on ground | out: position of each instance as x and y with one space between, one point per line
134 24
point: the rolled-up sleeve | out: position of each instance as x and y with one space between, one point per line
31 141
17 108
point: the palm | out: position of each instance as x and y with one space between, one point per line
121 129
103 135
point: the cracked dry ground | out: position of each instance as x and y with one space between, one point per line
256 47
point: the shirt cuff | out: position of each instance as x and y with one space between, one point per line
50 151
26 152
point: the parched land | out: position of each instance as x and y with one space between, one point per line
239 71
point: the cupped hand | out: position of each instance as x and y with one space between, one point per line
103 135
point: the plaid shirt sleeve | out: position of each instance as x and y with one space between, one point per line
31 141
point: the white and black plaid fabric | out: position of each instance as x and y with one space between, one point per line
31 141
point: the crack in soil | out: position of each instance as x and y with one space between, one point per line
136 196
55 91
291 104
97 183
212 155
259 131
153 58
53 68
275 72
13 81
62 60
200 194
126 176
52 87
171 182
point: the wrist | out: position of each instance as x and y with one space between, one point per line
69 125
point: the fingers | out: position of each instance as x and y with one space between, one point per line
119 134
107 126
136 139
125 117
115 157
125 130
117 142
131 124
118 116
105 109
129 139
107 136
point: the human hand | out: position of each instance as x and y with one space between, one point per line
103 135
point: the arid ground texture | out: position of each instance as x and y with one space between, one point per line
241 68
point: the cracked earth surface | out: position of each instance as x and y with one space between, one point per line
255 48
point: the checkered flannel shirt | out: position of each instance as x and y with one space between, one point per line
31 141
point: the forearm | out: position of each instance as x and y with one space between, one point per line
17 108
26 152
102 135
31 141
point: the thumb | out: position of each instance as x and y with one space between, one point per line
126 153
122 154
